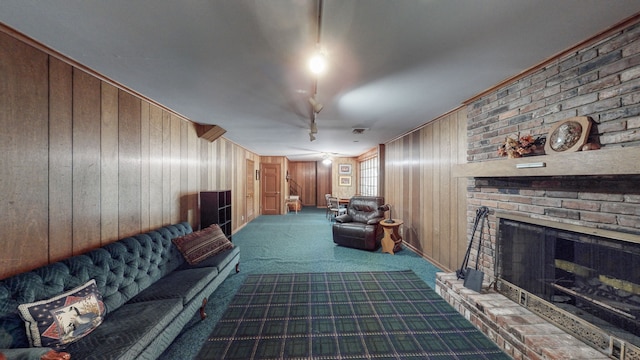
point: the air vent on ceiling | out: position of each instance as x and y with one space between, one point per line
359 131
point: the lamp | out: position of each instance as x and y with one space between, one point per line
326 160
387 207
311 137
313 128
318 63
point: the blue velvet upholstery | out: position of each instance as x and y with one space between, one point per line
184 284
119 338
122 270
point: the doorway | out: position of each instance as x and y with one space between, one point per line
250 190
271 186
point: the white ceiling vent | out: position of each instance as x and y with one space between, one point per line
359 131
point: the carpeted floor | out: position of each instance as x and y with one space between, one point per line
292 243
343 315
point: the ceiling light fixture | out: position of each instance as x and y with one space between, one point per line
318 63
326 160
315 105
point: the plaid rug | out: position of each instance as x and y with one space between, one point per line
355 315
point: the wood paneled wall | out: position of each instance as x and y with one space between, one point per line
323 183
422 192
84 162
317 179
304 175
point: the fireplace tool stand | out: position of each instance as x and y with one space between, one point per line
473 278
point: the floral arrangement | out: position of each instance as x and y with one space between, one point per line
520 146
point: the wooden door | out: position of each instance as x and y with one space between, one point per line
271 186
250 183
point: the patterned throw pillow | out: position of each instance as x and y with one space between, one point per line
202 244
65 318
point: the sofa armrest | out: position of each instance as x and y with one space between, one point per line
34 353
344 218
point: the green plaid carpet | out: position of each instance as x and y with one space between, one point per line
354 315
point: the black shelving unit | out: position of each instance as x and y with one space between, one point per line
215 208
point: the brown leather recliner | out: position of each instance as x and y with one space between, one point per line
359 228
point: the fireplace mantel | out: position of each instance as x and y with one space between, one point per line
615 161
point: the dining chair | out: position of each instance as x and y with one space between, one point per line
334 207
327 204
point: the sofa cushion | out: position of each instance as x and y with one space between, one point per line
180 284
64 318
127 332
202 244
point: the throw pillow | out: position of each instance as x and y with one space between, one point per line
64 318
202 244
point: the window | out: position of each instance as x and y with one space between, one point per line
369 177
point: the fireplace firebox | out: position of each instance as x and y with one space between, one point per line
586 281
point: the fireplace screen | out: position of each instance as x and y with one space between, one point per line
594 278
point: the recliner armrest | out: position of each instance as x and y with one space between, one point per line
374 221
344 218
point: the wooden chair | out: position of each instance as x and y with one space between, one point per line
326 198
334 207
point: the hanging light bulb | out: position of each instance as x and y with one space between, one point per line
318 63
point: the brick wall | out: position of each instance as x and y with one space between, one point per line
602 81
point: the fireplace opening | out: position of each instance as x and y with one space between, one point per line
592 277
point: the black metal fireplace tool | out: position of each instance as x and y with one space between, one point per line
473 277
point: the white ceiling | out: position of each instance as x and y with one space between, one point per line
394 65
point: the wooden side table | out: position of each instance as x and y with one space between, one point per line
392 241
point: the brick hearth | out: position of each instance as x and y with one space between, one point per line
519 332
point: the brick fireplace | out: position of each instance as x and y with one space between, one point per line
600 189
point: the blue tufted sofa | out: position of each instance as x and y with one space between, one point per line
148 289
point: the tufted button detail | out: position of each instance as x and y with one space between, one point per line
121 269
